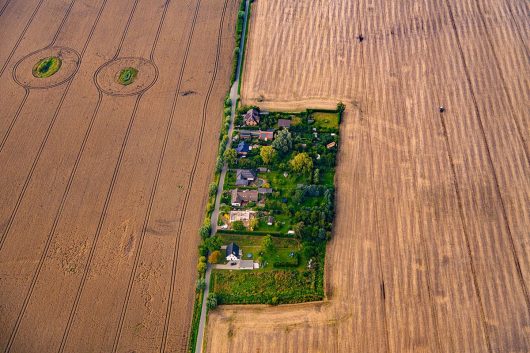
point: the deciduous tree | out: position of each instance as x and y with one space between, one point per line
267 153
302 163
214 257
283 142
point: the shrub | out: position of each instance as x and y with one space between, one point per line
211 302
238 225
201 285
214 257
212 189
201 268
205 231
230 156
213 243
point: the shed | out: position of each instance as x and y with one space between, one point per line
286 123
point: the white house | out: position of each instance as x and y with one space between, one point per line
232 252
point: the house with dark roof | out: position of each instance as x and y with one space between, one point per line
232 252
285 123
242 148
244 177
251 117
241 197
245 134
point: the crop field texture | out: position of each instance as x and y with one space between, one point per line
102 181
431 247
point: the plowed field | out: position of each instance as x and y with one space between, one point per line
103 184
431 247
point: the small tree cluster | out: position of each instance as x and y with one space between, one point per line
283 143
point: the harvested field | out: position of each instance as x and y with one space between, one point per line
103 179
431 247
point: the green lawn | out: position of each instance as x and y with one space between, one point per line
326 120
251 245
278 181
327 177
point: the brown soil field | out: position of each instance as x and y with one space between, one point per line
431 247
103 185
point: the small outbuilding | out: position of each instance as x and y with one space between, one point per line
285 123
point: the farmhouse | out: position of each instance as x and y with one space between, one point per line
232 252
241 197
243 216
244 177
285 123
251 117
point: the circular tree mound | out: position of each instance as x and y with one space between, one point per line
127 76
47 67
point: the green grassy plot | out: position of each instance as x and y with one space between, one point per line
127 76
47 67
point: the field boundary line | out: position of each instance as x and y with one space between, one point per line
191 179
494 174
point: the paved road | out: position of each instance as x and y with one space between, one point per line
234 96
